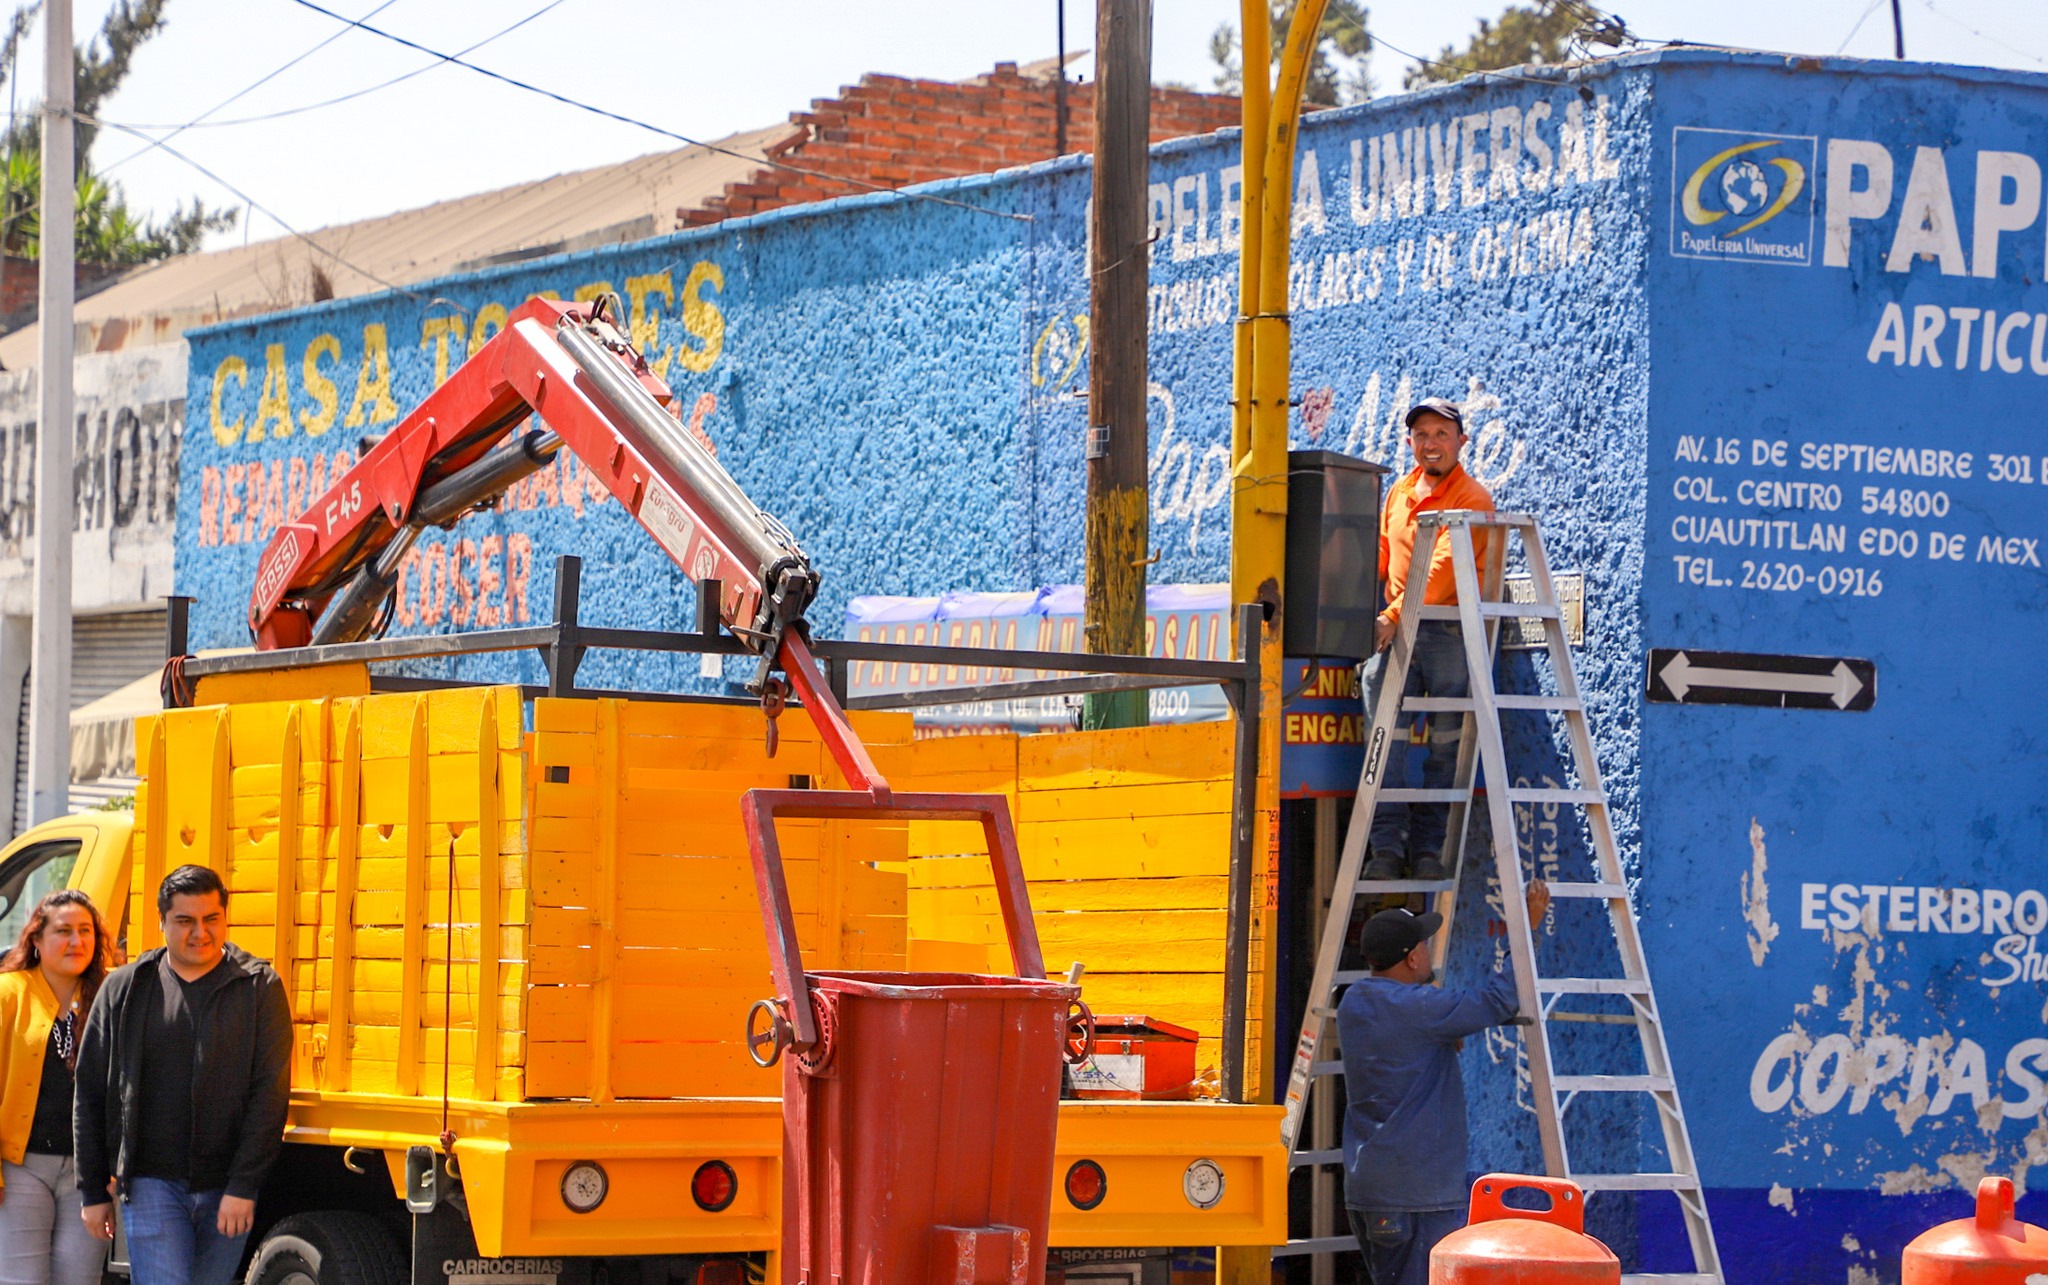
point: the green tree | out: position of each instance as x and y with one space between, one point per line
1337 73
1552 32
109 230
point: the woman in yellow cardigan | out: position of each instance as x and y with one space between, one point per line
47 984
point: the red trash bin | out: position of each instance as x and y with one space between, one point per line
918 1109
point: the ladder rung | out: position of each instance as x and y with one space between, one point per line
1332 1067
1305 1159
1534 794
1612 1083
1671 1278
1592 986
1426 796
1317 1245
1516 700
1608 891
1346 976
1377 887
1511 610
1636 1181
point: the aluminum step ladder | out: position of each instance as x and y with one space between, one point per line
1480 611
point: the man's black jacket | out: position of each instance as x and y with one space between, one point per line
241 1080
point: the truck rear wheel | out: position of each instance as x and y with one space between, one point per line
332 1247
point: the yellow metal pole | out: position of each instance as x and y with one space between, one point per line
1258 510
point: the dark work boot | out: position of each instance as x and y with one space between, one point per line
1430 868
1385 864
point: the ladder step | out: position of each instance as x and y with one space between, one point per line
1531 794
1318 1069
1387 887
1305 1159
1428 796
1671 1278
1592 986
1511 610
1320 1245
1637 1181
1612 1083
1604 891
1501 700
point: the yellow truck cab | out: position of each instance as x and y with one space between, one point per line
520 938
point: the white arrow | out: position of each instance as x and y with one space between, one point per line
1681 676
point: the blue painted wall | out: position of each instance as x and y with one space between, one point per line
897 379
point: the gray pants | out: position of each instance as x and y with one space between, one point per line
43 1241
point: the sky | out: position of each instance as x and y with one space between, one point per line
705 70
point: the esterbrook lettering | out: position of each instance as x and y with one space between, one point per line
1899 908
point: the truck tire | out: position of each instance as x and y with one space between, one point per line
332 1247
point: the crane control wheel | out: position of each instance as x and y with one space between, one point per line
765 1044
1078 1043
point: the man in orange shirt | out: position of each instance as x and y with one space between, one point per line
1408 838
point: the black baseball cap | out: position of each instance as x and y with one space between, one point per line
1390 934
1437 406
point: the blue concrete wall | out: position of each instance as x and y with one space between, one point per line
896 379
1842 1031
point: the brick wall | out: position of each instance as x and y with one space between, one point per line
893 131
21 287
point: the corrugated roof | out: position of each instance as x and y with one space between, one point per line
628 201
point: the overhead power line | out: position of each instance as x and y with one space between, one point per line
768 161
244 90
202 123
254 204
1988 39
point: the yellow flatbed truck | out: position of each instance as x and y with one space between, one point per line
520 932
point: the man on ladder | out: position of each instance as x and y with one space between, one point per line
1436 434
1405 1136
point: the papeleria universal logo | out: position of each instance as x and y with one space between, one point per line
1744 197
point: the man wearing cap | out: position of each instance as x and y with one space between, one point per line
1408 838
1404 1122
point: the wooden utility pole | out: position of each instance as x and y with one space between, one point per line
1119 500
49 729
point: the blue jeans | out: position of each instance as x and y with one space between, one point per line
1437 668
1396 1245
172 1237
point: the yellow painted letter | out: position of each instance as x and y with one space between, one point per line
231 367
701 317
373 383
490 319
325 398
646 295
436 331
274 407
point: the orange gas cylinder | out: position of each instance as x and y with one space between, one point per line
1504 1246
1994 1248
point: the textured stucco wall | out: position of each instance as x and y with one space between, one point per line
1808 872
898 380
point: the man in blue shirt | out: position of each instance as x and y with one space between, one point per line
1404 1127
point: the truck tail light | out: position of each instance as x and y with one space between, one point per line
714 1186
725 1273
1086 1184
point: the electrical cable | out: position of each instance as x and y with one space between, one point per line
769 161
254 204
202 123
246 89
1988 39
1875 5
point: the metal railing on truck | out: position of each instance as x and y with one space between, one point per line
563 642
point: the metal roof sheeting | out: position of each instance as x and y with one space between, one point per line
629 201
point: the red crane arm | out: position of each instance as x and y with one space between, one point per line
325 576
